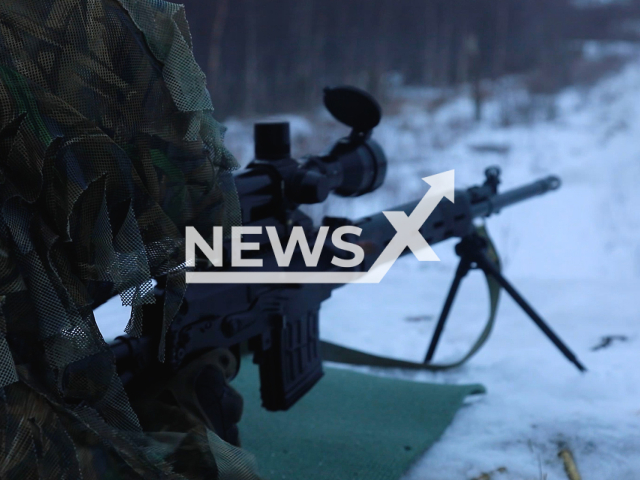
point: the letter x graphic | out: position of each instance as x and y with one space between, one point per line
408 227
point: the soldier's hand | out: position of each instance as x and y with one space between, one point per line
199 393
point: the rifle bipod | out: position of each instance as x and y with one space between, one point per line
472 251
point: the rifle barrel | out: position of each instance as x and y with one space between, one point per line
510 197
454 220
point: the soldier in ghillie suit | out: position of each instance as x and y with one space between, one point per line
108 148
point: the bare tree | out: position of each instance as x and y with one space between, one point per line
215 43
250 57
430 36
381 63
303 35
501 37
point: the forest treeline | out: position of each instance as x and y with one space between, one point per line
266 56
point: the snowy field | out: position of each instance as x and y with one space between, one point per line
574 254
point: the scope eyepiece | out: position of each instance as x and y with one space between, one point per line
272 140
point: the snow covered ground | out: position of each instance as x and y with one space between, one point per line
574 254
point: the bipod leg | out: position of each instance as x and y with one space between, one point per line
461 271
488 267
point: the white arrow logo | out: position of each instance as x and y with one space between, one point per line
408 228
407 235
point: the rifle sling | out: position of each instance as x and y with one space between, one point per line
337 353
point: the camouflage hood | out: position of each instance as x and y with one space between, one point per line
108 148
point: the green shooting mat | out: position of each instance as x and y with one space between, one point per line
349 426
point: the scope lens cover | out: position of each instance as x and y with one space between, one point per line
353 107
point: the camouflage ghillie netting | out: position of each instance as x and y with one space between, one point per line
107 150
